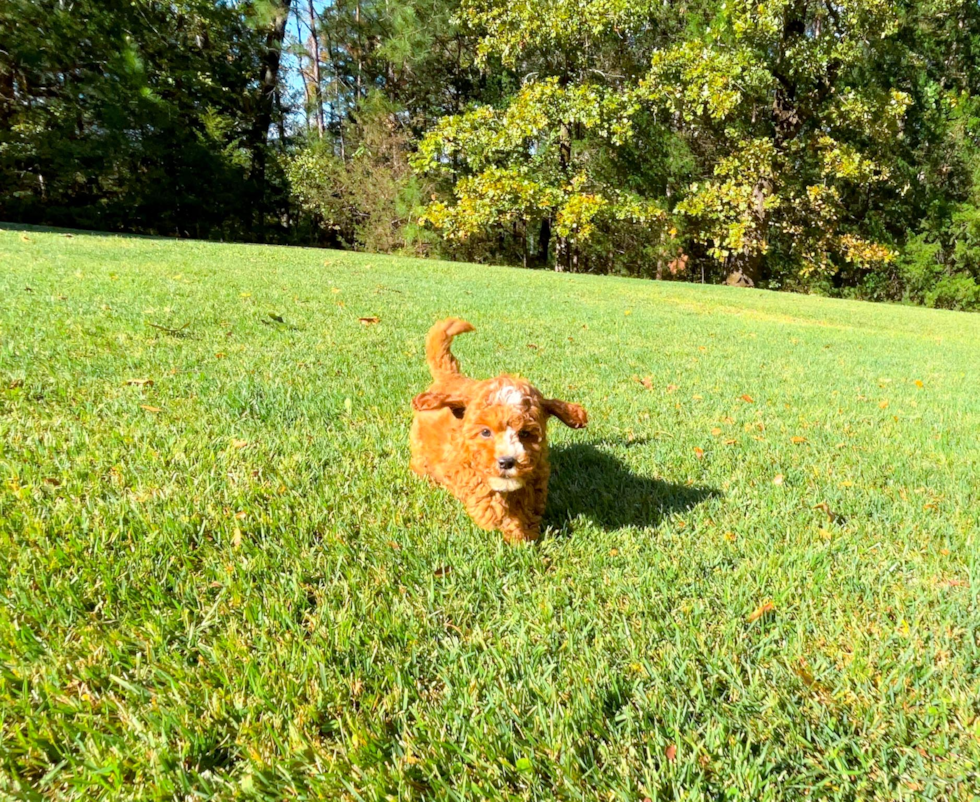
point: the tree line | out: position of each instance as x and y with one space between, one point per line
825 146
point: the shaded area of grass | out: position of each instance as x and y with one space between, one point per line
222 581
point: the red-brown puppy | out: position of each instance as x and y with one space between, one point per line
486 441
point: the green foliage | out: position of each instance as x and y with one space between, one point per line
369 201
228 585
130 115
944 272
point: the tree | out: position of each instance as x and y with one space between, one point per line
544 165
798 129
132 116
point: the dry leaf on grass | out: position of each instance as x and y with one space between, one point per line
699 453
238 443
442 570
832 516
761 610
777 479
797 440
671 753
747 399
150 409
140 382
368 321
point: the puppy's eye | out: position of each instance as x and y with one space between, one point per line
485 433
525 434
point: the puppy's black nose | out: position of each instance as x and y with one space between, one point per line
506 463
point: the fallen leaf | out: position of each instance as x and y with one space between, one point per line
832 516
150 409
731 441
238 443
918 383
671 753
236 538
25 238
716 431
220 355
613 552
747 399
671 388
797 440
761 610
52 482
140 382
883 405
394 545
245 294
699 453
368 321
647 382
334 289
533 346
777 479
442 570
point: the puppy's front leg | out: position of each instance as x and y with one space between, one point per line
521 533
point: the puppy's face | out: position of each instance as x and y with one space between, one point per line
504 428
504 433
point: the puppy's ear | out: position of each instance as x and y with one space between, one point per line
571 415
432 400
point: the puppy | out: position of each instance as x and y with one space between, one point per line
486 441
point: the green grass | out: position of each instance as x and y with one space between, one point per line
247 594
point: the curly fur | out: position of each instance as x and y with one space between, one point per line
486 441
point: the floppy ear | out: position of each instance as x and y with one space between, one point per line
570 414
432 400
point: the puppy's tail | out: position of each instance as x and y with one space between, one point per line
441 361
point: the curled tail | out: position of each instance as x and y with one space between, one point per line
437 344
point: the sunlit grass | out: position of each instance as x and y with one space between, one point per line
222 580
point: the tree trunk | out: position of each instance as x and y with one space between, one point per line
544 241
748 269
562 250
268 83
314 48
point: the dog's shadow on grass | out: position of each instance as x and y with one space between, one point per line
589 482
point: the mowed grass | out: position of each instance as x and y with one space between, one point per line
222 581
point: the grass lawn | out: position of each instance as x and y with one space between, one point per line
222 580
